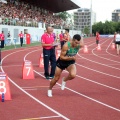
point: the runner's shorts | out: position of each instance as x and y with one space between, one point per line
117 42
62 64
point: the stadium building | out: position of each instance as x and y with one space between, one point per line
32 16
116 15
84 18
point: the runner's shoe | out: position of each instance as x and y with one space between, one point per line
49 93
63 84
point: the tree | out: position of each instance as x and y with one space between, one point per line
87 30
109 27
64 15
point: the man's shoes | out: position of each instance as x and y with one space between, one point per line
51 77
47 77
63 84
49 93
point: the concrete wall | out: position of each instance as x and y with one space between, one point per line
35 33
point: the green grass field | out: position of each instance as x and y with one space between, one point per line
18 46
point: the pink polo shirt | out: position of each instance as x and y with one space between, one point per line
2 36
61 37
47 39
21 35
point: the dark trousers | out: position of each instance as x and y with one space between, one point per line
62 43
49 55
97 42
21 41
2 44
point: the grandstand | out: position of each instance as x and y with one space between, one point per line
34 14
30 13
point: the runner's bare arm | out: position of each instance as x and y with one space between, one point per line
81 42
63 53
69 38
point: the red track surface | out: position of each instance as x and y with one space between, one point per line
93 95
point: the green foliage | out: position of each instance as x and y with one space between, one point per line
18 46
108 27
64 15
86 30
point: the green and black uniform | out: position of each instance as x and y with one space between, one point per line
62 64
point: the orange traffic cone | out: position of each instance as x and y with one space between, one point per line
99 47
113 46
41 64
85 49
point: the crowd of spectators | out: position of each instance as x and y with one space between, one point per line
23 14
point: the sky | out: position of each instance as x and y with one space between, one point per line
102 8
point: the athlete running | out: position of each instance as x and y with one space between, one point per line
67 61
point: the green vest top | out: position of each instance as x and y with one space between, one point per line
72 51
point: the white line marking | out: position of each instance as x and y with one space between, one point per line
59 114
109 52
98 71
97 62
103 57
92 99
98 83
85 95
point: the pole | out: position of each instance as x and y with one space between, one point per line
91 18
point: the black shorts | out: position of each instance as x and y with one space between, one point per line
62 64
117 42
97 41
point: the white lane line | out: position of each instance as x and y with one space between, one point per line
112 50
85 96
80 93
54 111
95 100
98 71
99 62
98 83
104 57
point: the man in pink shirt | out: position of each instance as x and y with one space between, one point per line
48 53
97 38
2 38
61 39
21 35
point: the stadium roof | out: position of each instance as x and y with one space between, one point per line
54 5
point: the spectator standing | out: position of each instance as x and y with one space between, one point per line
21 35
61 39
118 43
97 38
2 38
8 35
114 37
68 35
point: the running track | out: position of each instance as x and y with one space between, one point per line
93 95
